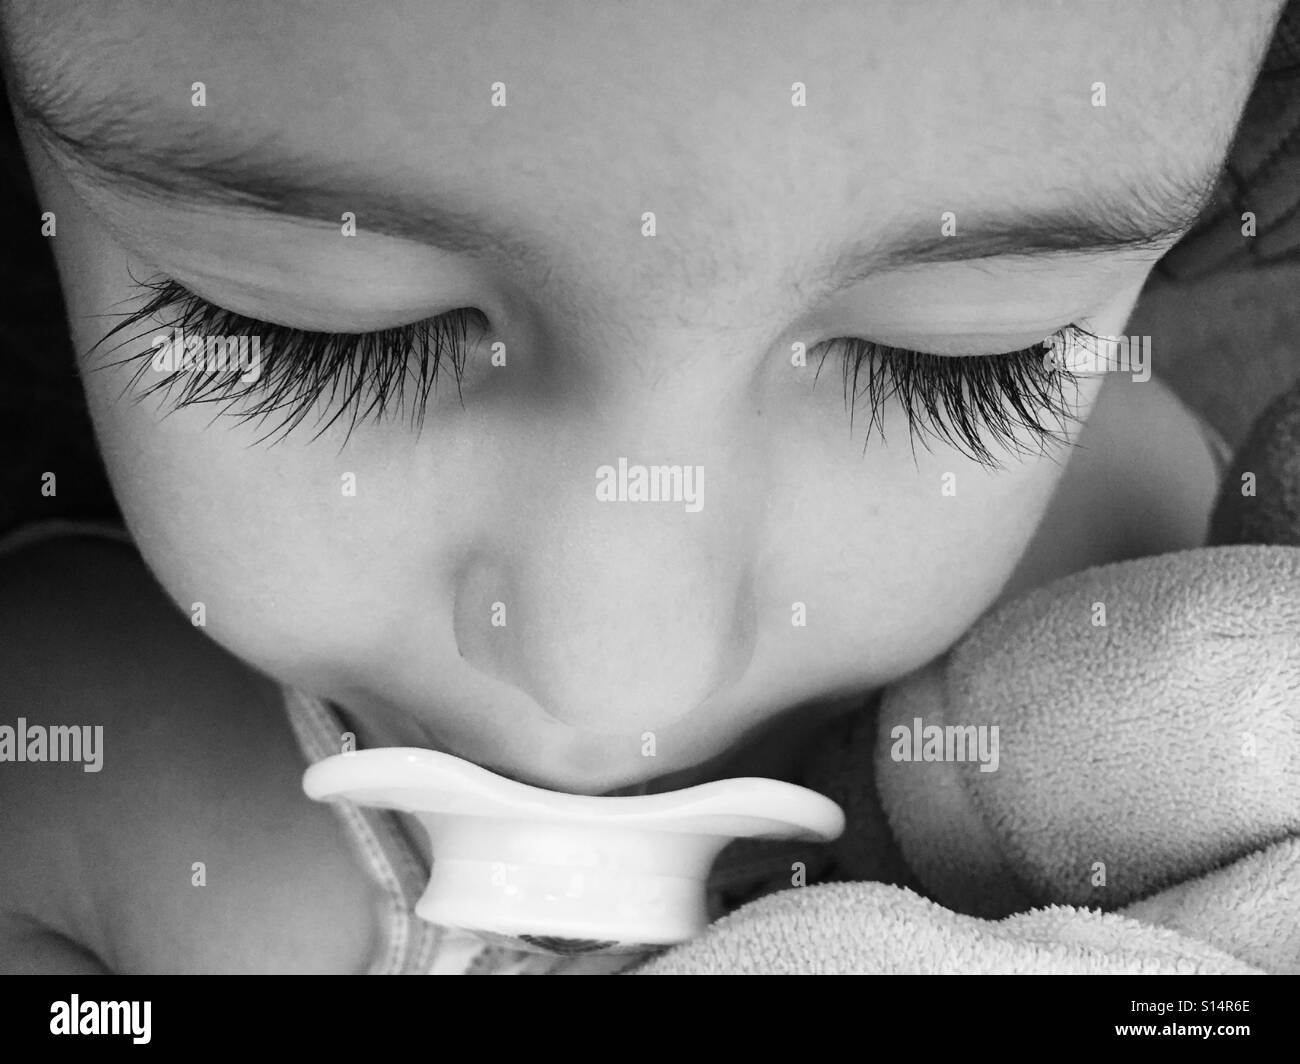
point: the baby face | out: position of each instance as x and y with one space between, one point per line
651 238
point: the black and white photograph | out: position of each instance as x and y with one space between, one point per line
650 487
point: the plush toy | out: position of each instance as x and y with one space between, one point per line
1103 775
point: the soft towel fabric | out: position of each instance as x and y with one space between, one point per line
1133 755
1250 909
1261 174
1259 498
1150 766
871 928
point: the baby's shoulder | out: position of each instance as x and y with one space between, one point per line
151 811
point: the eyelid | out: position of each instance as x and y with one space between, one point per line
179 293
297 320
959 400
1070 335
365 373
971 345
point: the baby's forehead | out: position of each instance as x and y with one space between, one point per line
755 136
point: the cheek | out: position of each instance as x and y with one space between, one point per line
959 544
291 573
901 547
899 574
258 538
261 536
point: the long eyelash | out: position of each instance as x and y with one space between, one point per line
363 374
964 401
960 401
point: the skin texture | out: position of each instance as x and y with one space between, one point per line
622 619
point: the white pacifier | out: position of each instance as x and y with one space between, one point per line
568 873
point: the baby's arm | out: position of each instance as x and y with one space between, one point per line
35 923
98 869
48 915
30 946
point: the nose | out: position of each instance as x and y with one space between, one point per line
614 613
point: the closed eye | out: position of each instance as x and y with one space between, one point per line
974 404
358 376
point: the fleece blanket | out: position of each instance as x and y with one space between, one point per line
1103 776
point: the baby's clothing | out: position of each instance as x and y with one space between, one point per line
413 946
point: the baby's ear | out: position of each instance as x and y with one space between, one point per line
1259 499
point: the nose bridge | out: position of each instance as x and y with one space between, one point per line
622 594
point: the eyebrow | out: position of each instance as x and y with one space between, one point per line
1145 215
